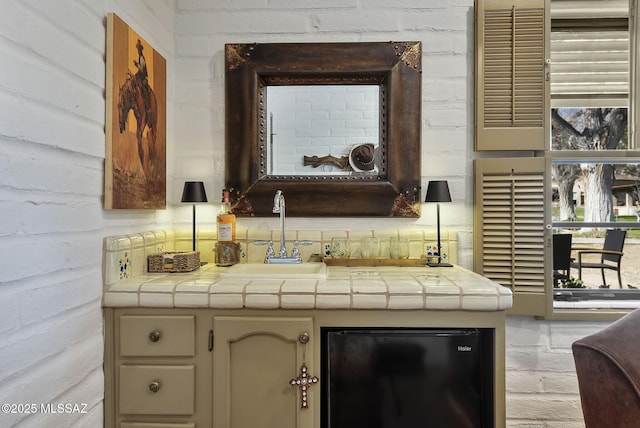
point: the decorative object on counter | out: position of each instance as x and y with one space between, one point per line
227 253
226 220
438 191
194 192
340 248
398 248
174 262
135 144
370 247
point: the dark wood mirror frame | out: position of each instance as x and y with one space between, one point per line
394 66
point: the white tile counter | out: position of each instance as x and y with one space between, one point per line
389 288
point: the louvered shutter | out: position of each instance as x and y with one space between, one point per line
509 245
512 102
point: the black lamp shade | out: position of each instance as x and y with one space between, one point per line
438 191
194 192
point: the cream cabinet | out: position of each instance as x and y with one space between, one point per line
195 369
158 369
255 360
215 368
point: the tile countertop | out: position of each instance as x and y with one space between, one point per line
393 288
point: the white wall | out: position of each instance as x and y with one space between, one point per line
51 174
542 389
52 110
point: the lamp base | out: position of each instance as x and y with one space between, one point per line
441 264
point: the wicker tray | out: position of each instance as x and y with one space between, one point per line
174 262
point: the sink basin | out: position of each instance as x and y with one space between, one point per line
277 271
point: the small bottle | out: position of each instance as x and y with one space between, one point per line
226 220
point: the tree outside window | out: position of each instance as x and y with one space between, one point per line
591 185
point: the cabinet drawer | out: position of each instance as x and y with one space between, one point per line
148 335
156 425
157 390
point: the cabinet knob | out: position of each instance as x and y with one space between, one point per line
154 336
154 386
303 338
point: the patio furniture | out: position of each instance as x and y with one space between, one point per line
608 372
610 255
561 257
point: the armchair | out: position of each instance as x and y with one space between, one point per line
610 255
608 372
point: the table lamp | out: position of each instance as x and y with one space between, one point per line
438 191
193 192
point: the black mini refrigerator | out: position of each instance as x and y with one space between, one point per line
407 378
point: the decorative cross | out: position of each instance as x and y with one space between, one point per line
303 382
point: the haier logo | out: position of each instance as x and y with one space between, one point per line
464 348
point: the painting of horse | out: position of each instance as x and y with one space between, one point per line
138 96
135 155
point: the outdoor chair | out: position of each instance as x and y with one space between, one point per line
610 255
561 257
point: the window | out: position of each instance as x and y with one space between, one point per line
594 186
590 158
590 197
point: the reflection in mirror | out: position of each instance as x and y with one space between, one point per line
313 130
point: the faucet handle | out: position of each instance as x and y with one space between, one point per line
270 251
296 251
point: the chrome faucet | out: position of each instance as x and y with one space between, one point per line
279 208
282 257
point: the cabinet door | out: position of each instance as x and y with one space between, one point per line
254 360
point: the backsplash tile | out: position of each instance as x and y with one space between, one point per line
125 256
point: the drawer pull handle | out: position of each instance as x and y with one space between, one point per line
154 336
154 386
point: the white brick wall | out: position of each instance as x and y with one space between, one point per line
542 389
51 174
52 110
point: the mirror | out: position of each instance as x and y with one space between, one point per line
254 170
313 129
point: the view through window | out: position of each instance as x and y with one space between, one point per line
595 173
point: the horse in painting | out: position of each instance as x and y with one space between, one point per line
136 94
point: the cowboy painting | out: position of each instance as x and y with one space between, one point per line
135 158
